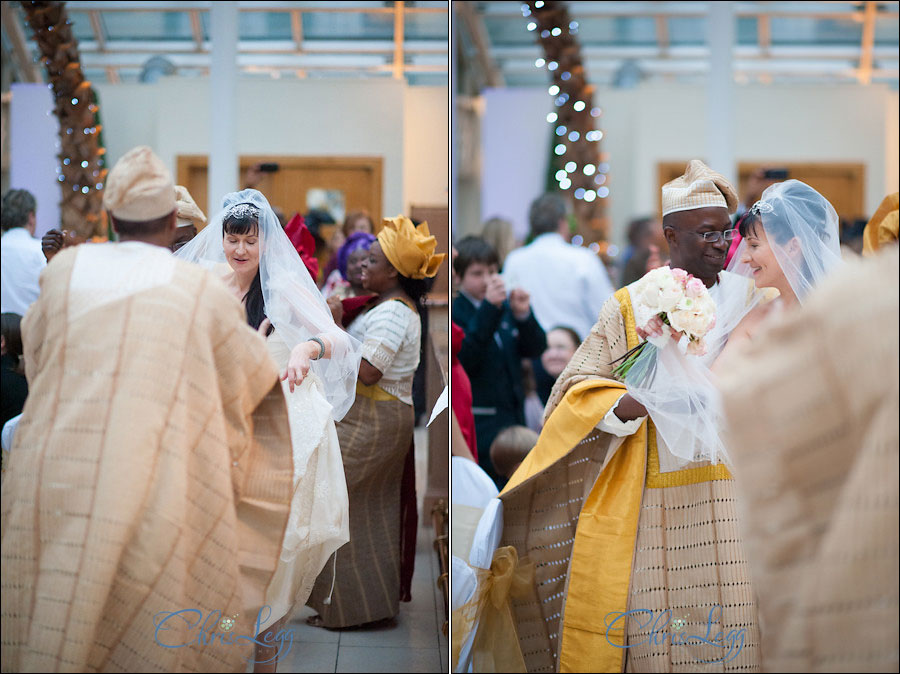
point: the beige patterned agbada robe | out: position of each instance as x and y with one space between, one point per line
677 560
151 471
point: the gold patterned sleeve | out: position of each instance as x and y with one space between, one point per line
605 342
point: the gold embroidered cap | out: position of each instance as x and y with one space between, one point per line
882 229
189 212
699 187
139 187
408 248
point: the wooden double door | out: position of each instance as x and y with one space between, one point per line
353 182
842 183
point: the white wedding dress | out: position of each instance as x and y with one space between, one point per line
319 521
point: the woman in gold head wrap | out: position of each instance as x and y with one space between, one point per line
363 584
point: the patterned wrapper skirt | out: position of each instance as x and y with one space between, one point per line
375 437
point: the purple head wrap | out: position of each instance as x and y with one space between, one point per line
353 243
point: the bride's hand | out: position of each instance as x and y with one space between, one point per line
299 363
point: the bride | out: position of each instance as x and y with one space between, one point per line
246 247
790 242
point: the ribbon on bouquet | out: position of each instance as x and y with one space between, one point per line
496 644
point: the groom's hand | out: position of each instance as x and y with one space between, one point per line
629 409
655 327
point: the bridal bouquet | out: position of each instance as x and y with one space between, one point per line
681 301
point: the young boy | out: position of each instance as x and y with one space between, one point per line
510 448
500 332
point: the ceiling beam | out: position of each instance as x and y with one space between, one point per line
97 27
818 10
22 57
764 34
197 30
268 46
528 53
662 34
243 6
868 41
291 61
475 25
297 29
399 6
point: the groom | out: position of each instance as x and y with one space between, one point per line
151 472
632 562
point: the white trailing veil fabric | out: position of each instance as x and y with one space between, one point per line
319 522
293 303
802 229
679 391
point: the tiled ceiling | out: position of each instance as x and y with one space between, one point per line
276 39
792 42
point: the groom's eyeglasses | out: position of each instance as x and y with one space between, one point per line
715 237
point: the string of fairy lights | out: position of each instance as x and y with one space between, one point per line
576 155
81 155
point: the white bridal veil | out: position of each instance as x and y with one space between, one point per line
293 303
801 227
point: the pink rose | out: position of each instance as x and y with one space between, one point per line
680 275
694 288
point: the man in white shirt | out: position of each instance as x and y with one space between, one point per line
567 284
21 259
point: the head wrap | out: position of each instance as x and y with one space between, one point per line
188 212
408 248
699 187
139 187
304 243
353 243
882 228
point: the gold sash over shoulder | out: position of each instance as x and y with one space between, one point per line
599 579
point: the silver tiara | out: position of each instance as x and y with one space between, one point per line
762 207
242 211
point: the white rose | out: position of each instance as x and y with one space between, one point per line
695 320
671 293
659 291
645 290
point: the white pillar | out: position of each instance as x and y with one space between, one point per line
720 90
454 126
223 158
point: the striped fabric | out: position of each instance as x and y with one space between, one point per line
375 437
151 473
390 333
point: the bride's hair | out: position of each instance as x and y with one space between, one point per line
243 219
